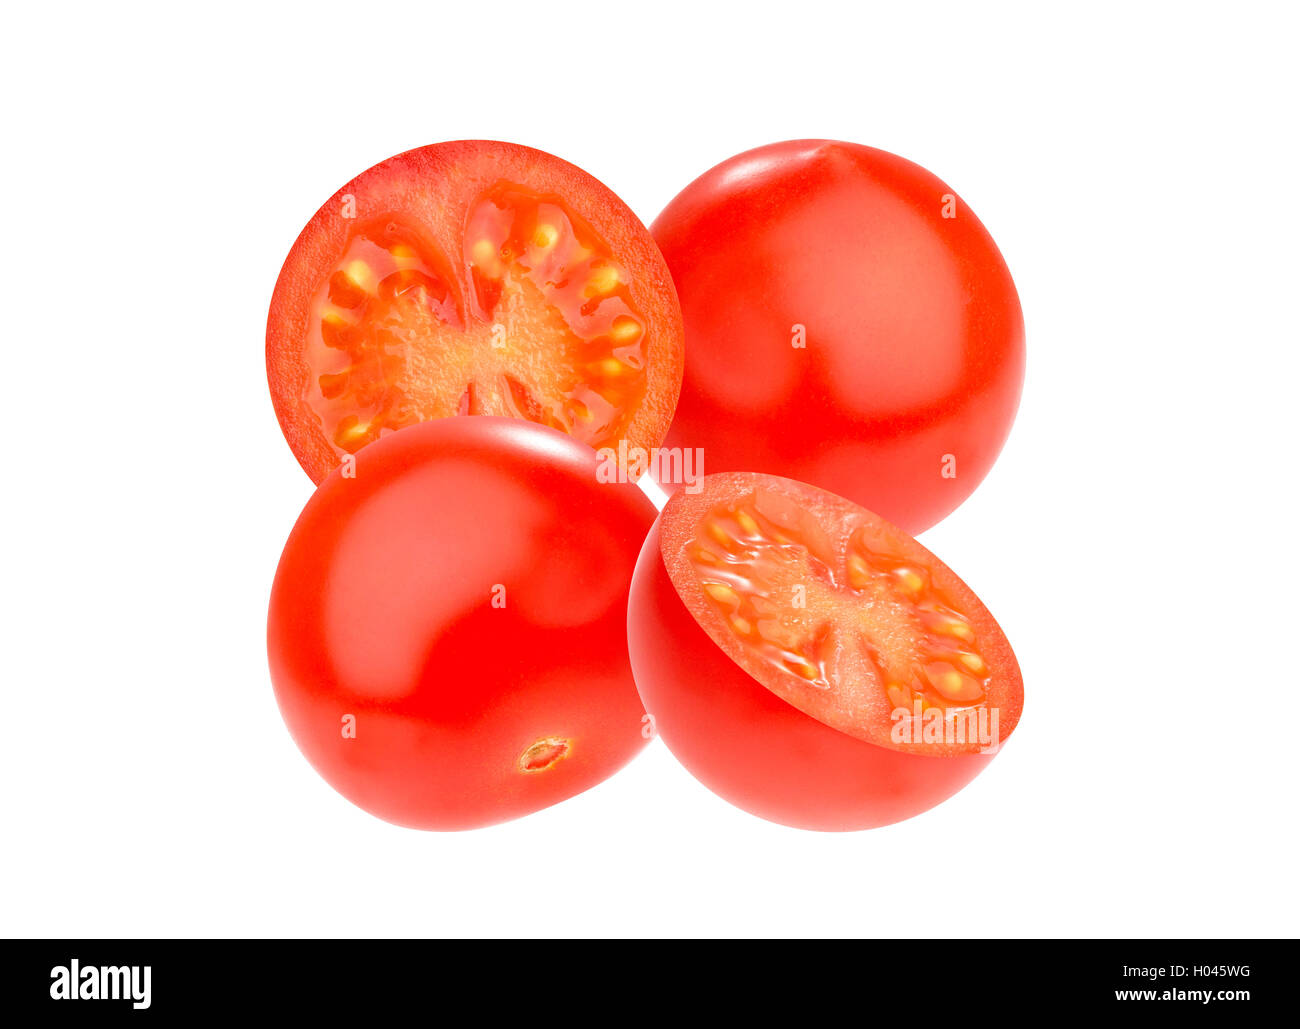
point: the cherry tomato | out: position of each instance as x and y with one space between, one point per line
849 323
447 631
810 662
472 278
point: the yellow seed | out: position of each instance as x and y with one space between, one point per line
484 252
858 572
975 663
404 257
719 533
741 625
947 625
545 236
910 581
356 431
603 280
625 329
747 522
360 274
720 592
803 667
952 683
610 366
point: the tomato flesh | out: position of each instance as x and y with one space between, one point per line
811 662
447 629
473 283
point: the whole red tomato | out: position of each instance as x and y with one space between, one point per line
810 662
447 629
849 323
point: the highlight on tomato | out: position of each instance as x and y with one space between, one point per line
472 277
810 662
849 323
447 627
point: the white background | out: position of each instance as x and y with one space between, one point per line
1136 539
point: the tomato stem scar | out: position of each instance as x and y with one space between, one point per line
544 754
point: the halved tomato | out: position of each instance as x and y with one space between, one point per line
472 277
810 662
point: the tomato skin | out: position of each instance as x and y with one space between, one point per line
382 609
913 329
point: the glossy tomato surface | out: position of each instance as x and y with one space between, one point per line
472 277
849 323
447 632
810 662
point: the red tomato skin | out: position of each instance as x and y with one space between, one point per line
914 332
381 609
748 745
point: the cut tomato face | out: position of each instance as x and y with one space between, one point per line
811 662
849 322
472 278
447 629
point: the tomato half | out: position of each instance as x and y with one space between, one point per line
447 632
849 323
472 277
810 662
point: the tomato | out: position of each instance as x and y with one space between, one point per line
472 278
810 662
849 323
446 630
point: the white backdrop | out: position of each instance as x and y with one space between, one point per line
1136 539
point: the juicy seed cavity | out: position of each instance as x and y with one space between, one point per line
532 320
834 616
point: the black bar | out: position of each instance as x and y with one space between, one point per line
545 979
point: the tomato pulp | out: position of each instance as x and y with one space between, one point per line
472 277
810 662
447 629
849 323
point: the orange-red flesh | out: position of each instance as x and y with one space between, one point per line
552 335
475 278
838 612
